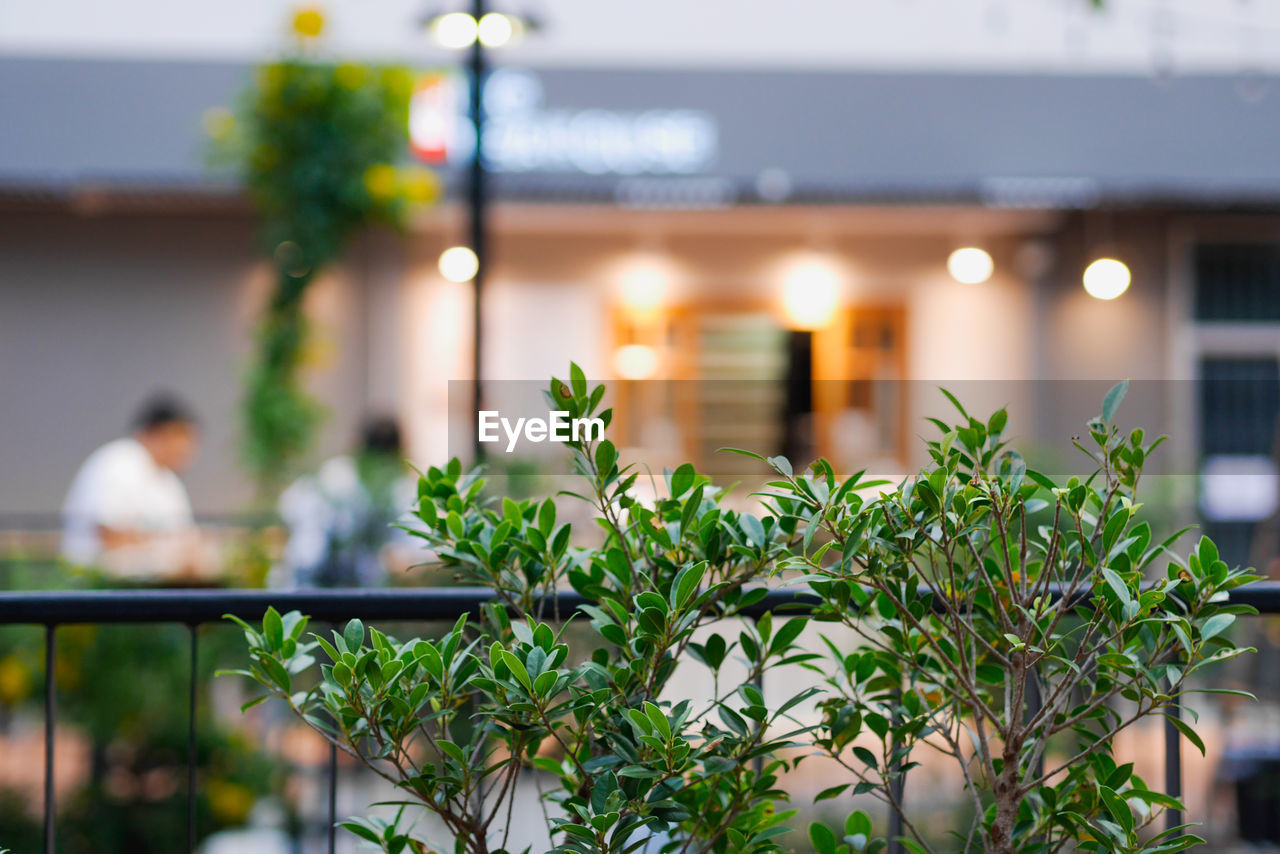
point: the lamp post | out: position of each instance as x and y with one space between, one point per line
477 31
478 204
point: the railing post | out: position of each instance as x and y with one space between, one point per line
331 829
192 699
333 798
50 723
1173 763
757 764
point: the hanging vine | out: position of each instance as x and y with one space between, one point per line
316 145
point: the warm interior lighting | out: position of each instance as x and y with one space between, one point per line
635 362
496 29
459 264
810 294
454 30
1106 278
644 286
970 265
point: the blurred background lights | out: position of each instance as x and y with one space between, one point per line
970 265
496 29
454 30
644 286
1106 278
635 362
810 294
459 264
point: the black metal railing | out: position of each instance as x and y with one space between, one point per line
193 608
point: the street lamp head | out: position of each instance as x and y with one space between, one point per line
496 29
453 30
456 30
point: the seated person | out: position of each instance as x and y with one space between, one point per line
127 511
341 519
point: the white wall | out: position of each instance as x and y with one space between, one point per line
98 312
1012 35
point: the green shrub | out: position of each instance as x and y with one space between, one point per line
972 584
1009 624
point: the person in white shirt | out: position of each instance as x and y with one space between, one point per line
127 511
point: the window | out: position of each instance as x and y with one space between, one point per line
1237 281
1239 404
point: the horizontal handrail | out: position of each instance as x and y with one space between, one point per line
195 607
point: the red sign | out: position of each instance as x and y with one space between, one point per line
432 113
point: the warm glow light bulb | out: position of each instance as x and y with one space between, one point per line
810 295
459 264
455 30
635 362
644 286
970 265
1106 278
495 29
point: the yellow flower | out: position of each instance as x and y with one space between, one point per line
380 182
419 185
15 680
229 802
308 22
218 122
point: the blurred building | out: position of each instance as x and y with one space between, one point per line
787 232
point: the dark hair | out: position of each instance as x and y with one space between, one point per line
380 435
161 410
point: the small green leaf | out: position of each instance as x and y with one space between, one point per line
358 827
1118 807
1216 625
511 511
1185 728
753 529
276 673
1111 402
686 583
824 841
997 422
1117 585
951 397
682 480
1040 479
517 668
606 456
273 628
658 719
547 517
353 634
831 792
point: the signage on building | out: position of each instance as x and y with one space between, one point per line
523 134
